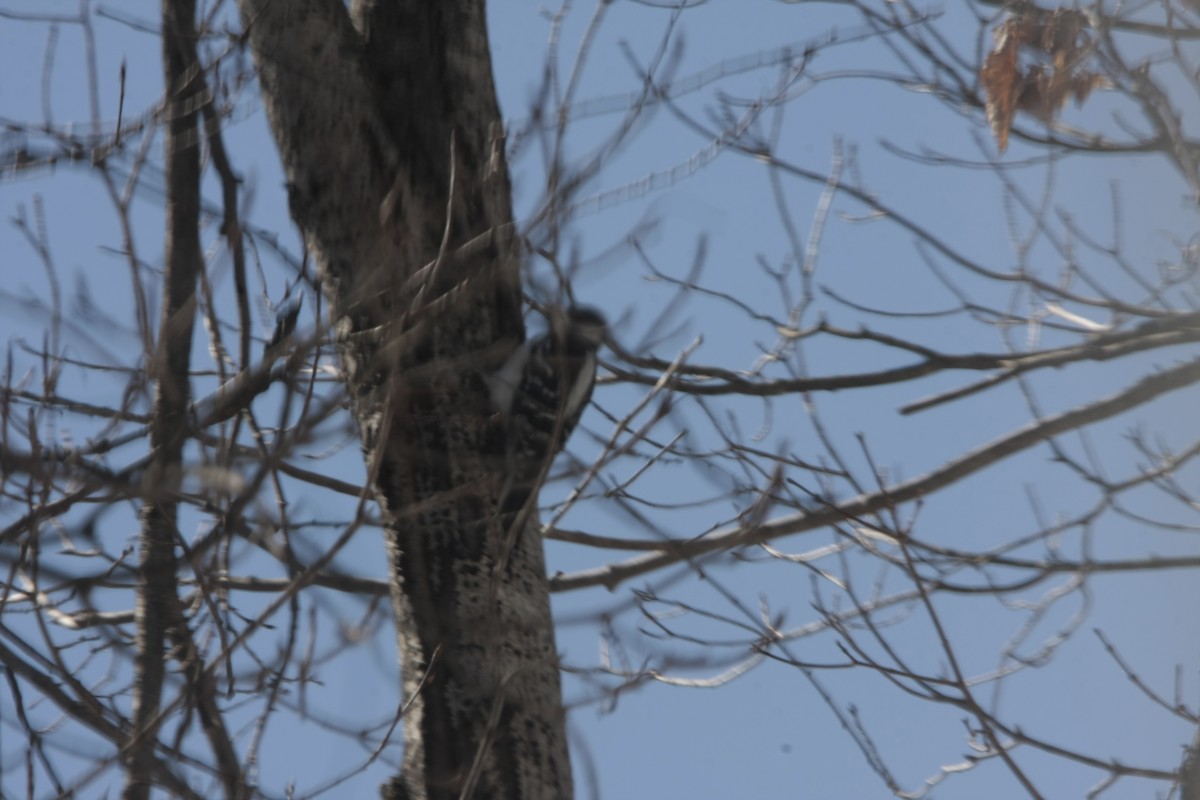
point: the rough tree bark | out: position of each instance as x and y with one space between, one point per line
388 126
1189 773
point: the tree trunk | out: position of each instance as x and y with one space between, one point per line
389 130
1189 773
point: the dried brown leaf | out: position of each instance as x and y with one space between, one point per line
1061 37
1001 84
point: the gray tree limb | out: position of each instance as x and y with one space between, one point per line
157 598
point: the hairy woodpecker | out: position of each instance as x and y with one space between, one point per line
542 390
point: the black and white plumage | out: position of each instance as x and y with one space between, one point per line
285 322
542 390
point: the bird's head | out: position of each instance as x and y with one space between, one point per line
585 323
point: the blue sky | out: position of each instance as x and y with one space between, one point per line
767 734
